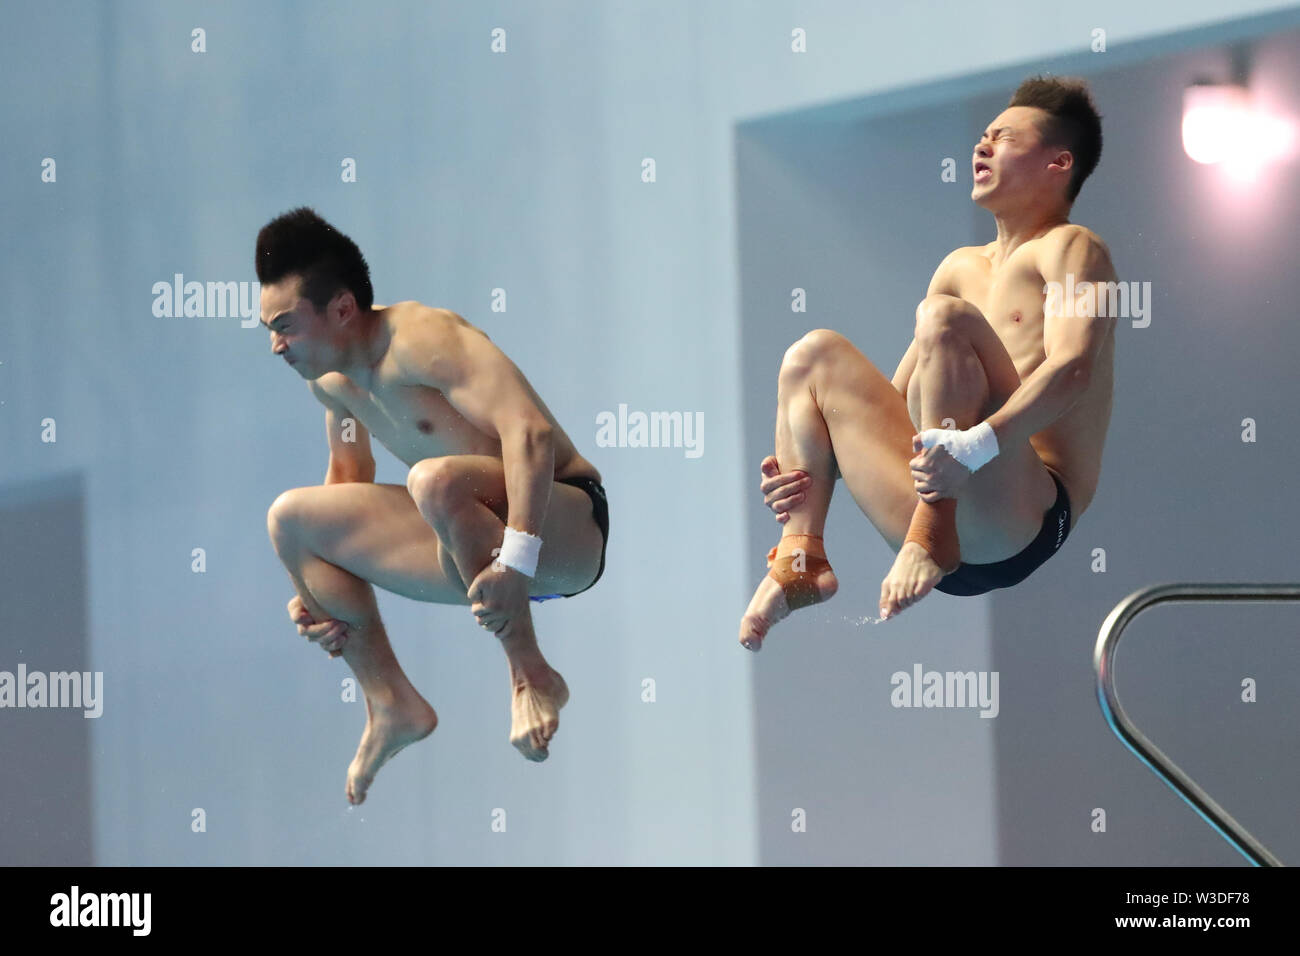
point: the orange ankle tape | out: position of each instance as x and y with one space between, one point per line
934 528
800 587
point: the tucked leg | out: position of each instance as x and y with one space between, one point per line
963 372
463 498
837 415
328 537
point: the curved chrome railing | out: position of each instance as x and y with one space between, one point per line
1103 660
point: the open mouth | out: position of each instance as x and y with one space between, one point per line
982 172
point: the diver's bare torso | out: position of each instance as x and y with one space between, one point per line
415 421
1011 298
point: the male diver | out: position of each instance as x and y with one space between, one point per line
498 506
979 456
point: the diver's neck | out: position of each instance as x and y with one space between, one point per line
1015 229
366 347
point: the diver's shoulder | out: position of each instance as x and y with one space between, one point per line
415 321
972 253
412 310
1068 232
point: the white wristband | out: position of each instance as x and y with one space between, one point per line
519 550
974 447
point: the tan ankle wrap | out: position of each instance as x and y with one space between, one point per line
800 587
934 528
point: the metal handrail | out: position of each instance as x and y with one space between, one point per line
1103 661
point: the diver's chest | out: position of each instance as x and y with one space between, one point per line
1011 301
397 410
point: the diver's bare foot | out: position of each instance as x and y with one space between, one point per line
389 728
768 605
912 577
538 694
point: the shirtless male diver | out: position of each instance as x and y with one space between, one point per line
498 505
980 455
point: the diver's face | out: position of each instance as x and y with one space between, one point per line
297 329
1010 159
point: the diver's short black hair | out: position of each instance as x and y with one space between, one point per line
1072 123
301 243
